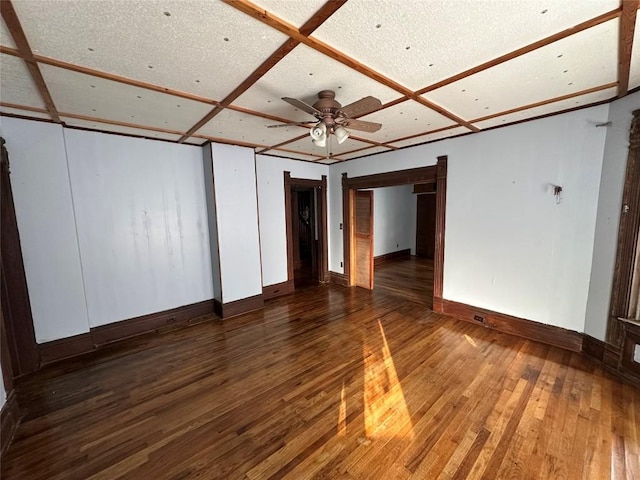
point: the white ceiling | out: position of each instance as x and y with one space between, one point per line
155 68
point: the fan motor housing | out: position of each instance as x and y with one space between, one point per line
328 106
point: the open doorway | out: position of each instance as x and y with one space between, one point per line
354 262
306 224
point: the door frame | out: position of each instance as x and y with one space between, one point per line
628 231
320 186
435 173
17 317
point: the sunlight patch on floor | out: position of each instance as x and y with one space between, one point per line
385 407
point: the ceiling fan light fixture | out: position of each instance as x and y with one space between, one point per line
319 132
341 134
321 142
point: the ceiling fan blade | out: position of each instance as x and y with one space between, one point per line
361 107
361 125
310 122
302 106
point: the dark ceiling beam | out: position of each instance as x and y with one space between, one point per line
625 44
605 17
268 19
19 38
313 23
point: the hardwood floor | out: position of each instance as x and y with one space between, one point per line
410 278
330 383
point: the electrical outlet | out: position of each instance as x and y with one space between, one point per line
340 226
341 264
478 318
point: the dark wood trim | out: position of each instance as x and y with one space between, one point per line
321 207
179 316
324 230
339 279
277 290
346 226
441 208
328 9
9 419
238 307
66 348
288 224
13 24
14 291
546 102
631 339
97 337
435 173
625 43
397 255
627 238
609 358
549 334
391 179
605 17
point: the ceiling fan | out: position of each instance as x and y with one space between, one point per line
333 118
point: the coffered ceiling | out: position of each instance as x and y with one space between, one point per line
197 70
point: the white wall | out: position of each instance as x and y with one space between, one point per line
119 218
271 209
3 393
616 150
394 219
46 222
237 211
508 246
142 224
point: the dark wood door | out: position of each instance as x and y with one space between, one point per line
426 226
363 238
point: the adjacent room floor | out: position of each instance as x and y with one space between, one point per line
328 382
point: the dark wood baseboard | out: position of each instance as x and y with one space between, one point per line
98 336
238 307
406 253
180 316
610 357
277 290
549 334
65 348
9 420
339 279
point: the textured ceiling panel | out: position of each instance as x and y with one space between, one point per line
418 43
16 85
242 127
305 145
86 95
105 127
550 108
431 137
203 47
406 118
328 161
573 64
368 151
5 36
295 13
634 77
25 113
302 74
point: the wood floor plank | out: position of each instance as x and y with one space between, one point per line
328 383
